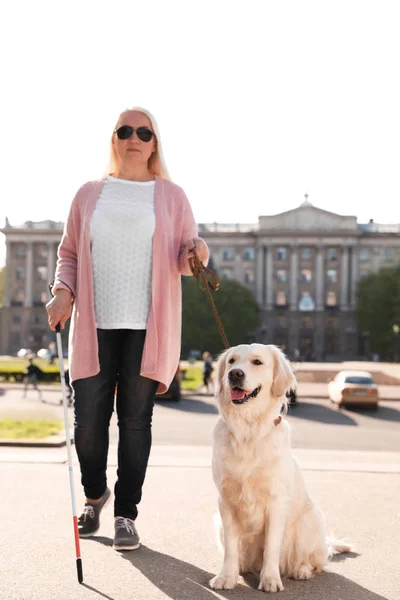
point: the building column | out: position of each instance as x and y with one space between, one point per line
320 278
259 275
51 262
29 274
7 276
294 277
354 276
344 279
269 278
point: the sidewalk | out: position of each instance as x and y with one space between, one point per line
357 491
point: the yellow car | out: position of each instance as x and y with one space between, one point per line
354 388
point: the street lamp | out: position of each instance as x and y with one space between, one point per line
396 330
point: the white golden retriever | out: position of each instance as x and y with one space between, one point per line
269 524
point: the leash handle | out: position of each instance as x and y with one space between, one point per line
207 280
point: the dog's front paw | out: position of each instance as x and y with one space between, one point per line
303 572
270 583
223 582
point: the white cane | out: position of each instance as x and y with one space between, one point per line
71 474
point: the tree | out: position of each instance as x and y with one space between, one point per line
378 310
236 306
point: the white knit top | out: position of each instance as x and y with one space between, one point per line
121 232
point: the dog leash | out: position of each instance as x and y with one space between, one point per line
207 280
210 282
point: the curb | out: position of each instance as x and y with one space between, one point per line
53 441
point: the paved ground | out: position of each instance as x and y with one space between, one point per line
351 463
179 553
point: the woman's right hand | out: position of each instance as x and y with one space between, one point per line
59 308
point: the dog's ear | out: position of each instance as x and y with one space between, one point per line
284 378
221 366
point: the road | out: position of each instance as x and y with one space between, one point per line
315 423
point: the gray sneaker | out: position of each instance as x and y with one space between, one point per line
126 537
89 521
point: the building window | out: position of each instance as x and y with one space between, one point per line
21 250
42 250
364 254
331 299
363 274
227 274
281 254
332 322
19 296
388 254
331 275
306 253
281 275
282 321
332 255
306 302
16 319
36 319
42 273
249 254
281 298
306 275
227 254
20 273
248 277
306 322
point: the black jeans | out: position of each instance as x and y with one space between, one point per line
120 355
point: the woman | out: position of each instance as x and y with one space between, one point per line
125 245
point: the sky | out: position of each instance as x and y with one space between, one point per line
258 102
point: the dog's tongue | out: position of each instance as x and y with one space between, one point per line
237 394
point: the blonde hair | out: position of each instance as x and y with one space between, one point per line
156 162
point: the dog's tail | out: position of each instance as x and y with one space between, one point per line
339 546
219 531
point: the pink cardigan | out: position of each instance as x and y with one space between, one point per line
175 226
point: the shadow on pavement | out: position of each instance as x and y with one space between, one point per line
180 580
385 413
189 405
93 589
321 413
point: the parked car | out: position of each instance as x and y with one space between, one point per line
353 388
174 391
291 395
24 352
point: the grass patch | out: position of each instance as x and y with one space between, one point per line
29 429
193 378
19 364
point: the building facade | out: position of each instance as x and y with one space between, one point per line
303 267
31 255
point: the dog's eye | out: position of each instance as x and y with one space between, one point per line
231 361
257 362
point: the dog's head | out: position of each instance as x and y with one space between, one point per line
253 373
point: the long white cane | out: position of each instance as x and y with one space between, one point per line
71 474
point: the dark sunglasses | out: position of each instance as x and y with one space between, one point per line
126 131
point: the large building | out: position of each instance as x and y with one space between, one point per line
303 267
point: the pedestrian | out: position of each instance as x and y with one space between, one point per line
68 388
207 369
126 243
31 377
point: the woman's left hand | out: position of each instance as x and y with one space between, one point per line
201 248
